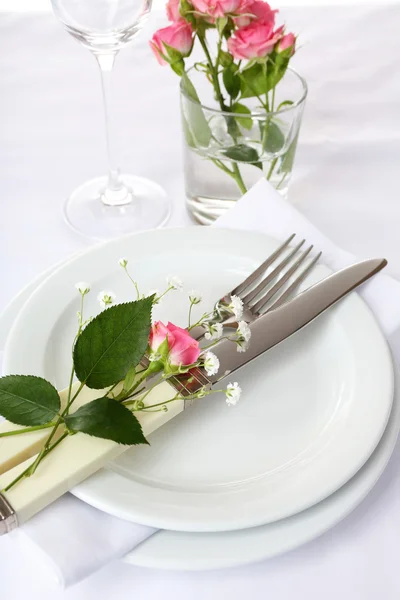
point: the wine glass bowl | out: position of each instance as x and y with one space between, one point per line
102 25
115 204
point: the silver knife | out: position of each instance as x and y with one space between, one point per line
80 456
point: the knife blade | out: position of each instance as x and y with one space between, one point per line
50 482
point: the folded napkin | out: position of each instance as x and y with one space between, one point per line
74 539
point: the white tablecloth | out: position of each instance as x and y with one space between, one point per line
52 139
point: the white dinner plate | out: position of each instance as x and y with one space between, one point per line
201 551
313 410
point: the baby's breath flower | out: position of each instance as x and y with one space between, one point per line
232 393
243 331
123 262
106 298
214 331
236 306
195 297
82 287
174 282
211 363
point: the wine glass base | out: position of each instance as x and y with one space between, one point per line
88 215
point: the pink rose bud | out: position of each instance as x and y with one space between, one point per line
182 349
216 8
178 36
255 10
173 13
287 41
254 41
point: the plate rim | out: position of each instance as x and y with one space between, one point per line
170 232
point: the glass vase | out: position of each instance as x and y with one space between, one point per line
225 153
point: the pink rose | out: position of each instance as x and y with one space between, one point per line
216 8
182 349
178 36
287 41
255 11
173 13
254 41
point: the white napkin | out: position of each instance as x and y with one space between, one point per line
76 540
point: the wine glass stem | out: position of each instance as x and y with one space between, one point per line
116 192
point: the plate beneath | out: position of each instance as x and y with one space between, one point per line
287 445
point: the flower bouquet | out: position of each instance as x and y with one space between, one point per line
241 104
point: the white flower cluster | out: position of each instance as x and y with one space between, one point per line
236 306
106 298
232 393
82 287
243 333
214 331
123 262
211 363
174 282
195 297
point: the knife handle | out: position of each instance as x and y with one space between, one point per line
75 459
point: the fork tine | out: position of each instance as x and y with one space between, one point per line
283 297
278 285
251 278
264 282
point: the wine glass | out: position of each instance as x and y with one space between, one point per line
112 205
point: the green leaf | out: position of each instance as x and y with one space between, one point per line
187 133
105 418
253 81
245 122
28 400
112 343
129 379
196 121
274 140
242 153
231 81
284 103
288 159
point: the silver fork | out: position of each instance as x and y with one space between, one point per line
256 296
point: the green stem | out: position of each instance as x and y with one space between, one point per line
213 72
151 388
20 476
28 471
271 168
134 283
238 178
27 429
190 314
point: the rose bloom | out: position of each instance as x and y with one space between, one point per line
173 13
287 41
178 35
216 8
254 41
182 349
255 11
